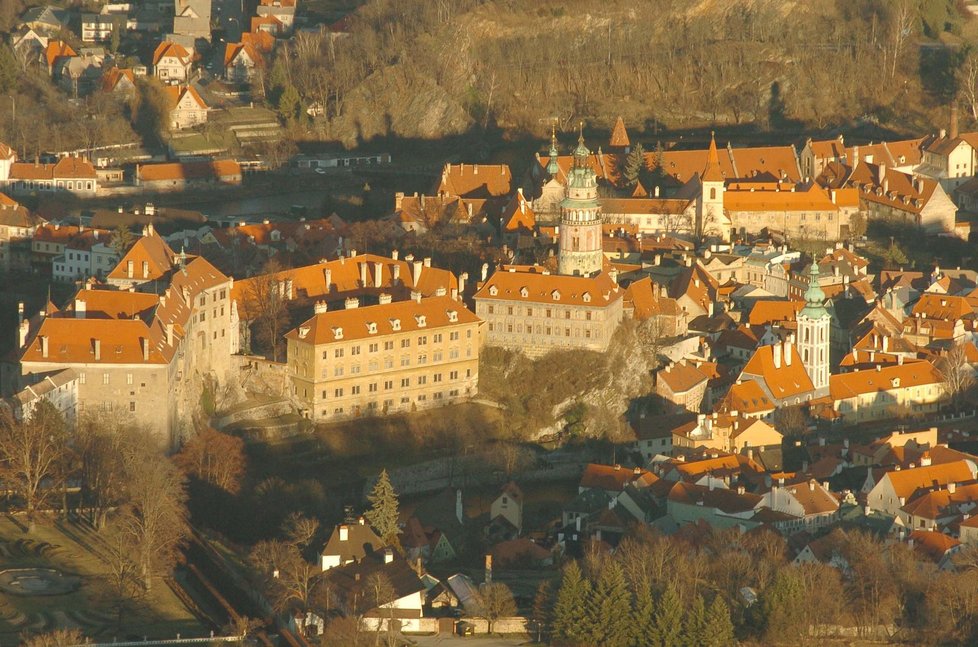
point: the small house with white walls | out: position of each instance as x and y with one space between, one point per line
349 542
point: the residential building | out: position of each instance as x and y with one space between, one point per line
172 63
897 390
96 27
46 19
90 254
121 81
181 175
240 62
72 174
186 107
684 386
58 388
348 543
281 10
192 18
726 432
17 226
898 487
351 583
393 356
811 504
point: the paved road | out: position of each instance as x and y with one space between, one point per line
473 641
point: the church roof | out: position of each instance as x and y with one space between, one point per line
619 136
712 171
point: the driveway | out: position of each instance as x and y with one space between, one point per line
471 641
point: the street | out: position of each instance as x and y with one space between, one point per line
473 641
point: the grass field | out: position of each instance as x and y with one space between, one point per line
73 549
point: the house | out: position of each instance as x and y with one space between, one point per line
79 75
186 108
688 503
810 504
88 254
58 388
612 479
282 10
56 53
968 529
937 509
240 62
351 582
508 506
17 226
97 27
349 542
726 432
934 547
181 175
892 391
425 543
522 552
192 18
72 174
683 385
172 63
45 19
119 81
29 46
897 487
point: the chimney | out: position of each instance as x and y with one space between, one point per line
415 296
98 349
344 532
776 351
488 576
416 272
144 342
459 513
351 303
398 199
395 273
79 309
384 299
952 127
378 274
320 307
787 353
811 486
394 254
952 487
328 278
462 279
363 274
485 271
427 261
169 334
886 343
388 555
44 346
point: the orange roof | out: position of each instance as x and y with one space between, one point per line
771 312
258 21
260 40
69 168
168 49
934 504
151 249
747 396
904 192
813 497
906 482
112 78
932 544
646 301
884 378
614 478
72 341
814 198
535 286
518 215
309 282
175 94
790 380
111 304
724 463
476 180
729 501
189 170
779 161
619 136
681 377
6 152
399 316
942 306
58 49
828 149
644 205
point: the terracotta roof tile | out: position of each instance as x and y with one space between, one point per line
596 291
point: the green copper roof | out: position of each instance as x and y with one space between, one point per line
552 167
814 297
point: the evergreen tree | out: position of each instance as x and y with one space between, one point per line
719 629
669 619
657 175
634 164
289 103
122 240
383 512
643 618
608 608
694 624
783 606
571 625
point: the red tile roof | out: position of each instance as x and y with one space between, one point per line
217 169
539 287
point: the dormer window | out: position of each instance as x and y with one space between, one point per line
421 320
453 316
303 331
276 235
895 382
555 295
587 297
372 327
493 290
337 332
524 292
395 324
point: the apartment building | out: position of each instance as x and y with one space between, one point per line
384 358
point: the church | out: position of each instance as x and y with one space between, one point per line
533 309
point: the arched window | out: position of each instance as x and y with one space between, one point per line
713 194
807 335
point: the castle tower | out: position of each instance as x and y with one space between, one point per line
580 219
710 218
552 167
814 325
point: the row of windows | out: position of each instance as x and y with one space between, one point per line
374 347
552 331
388 385
388 363
545 312
72 185
389 403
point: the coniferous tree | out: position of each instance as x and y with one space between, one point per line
694 623
719 631
383 512
643 618
607 609
669 619
542 614
634 164
571 625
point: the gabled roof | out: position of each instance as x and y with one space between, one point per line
176 93
907 482
518 215
932 544
476 180
112 78
614 478
884 378
792 198
151 249
58 49
168 49
361 540
681 377
774 312
728 501
747 396
215 169
645 299
787 381
814 499
233 50
539 287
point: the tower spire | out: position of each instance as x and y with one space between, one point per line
552 167
712 171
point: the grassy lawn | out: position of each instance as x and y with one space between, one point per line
68 548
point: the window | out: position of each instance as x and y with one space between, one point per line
355 350
422 341
81 378
422 359
337 353
405 360
324 394
372 388
437 356
453 336
203 299
373 348
105 378
405 343
388 362
388 345
509 310
129 379
355 369
132 405
437 377
338 371
355 390
437 338
405 382
324 354
423 379
388 385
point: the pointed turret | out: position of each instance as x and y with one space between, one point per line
814 296
712 171
619 142
552 167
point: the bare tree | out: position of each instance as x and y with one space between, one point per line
30 451
215 458
266 301
957 373
382 595
495 602
290 581
56 638
99 442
